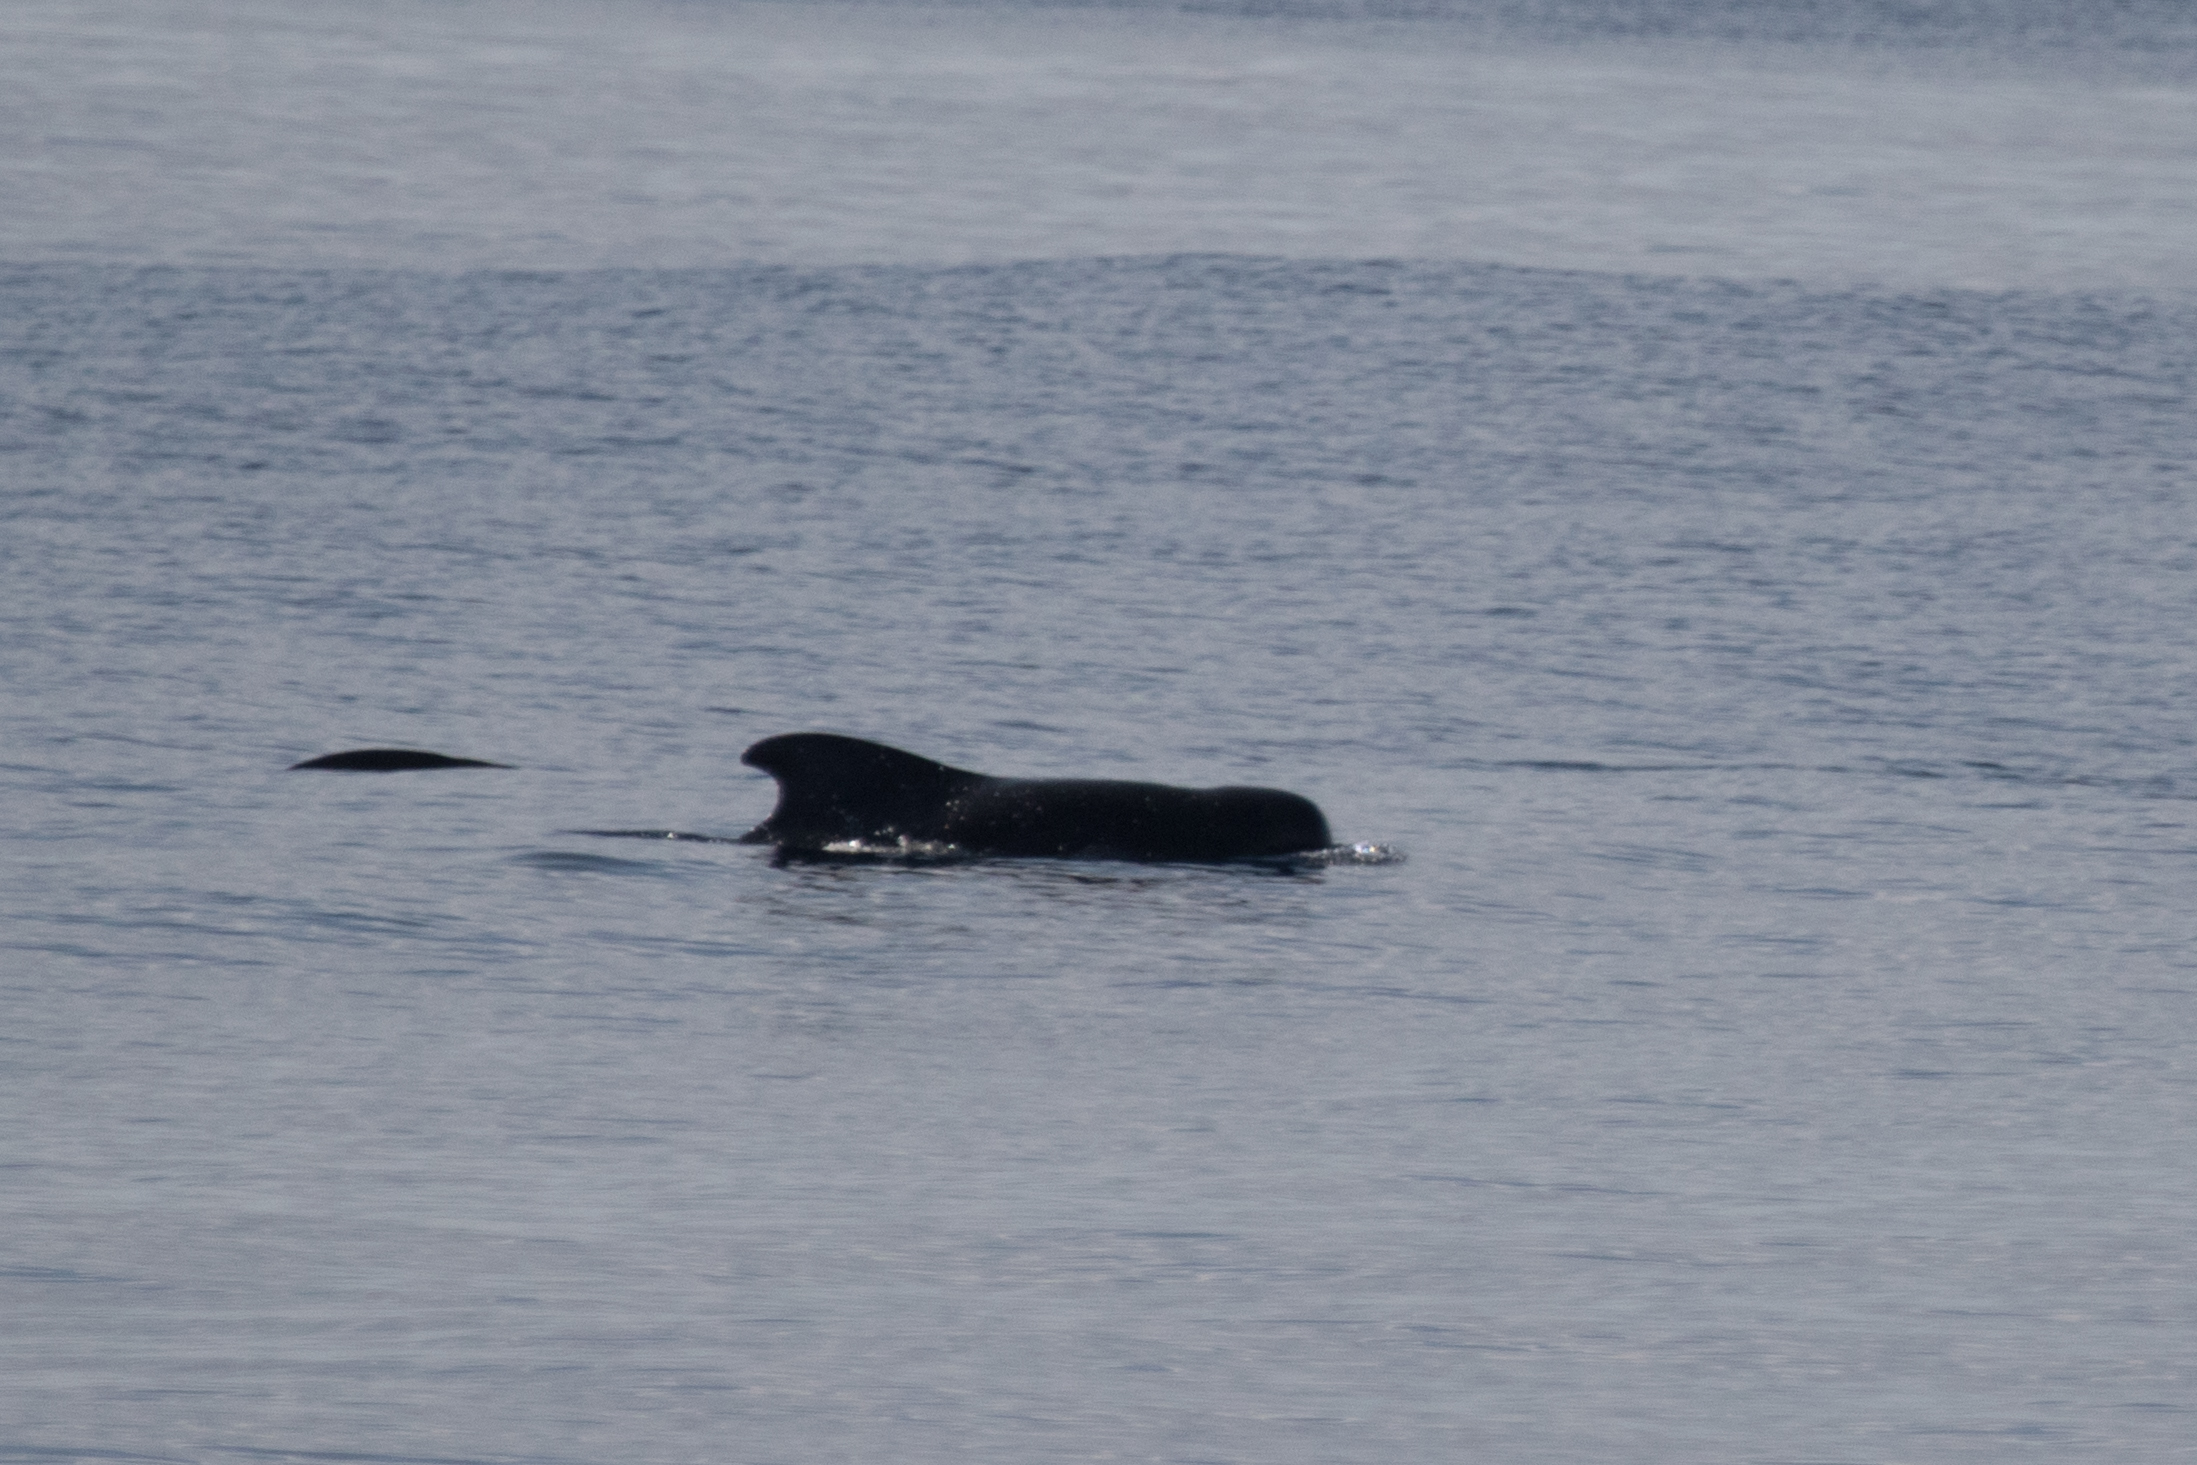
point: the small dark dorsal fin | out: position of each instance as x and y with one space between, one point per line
389 760
833 788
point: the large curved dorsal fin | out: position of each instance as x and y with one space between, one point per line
834 788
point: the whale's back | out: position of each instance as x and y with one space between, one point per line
836 791
1106 819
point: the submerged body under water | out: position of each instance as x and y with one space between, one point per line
1776 1044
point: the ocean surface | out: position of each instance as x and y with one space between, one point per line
1708 487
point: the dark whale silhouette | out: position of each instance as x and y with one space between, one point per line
839 794
388 760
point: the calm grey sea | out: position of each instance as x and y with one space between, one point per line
1709 484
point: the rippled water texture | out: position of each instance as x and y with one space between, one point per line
1774 1044
2014 143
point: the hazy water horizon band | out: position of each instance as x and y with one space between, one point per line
1978 146
1711 483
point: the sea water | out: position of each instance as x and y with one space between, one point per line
1711 490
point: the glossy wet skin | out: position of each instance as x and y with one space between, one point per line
837 790
387 760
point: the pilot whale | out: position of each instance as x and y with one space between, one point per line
841 794
389 760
